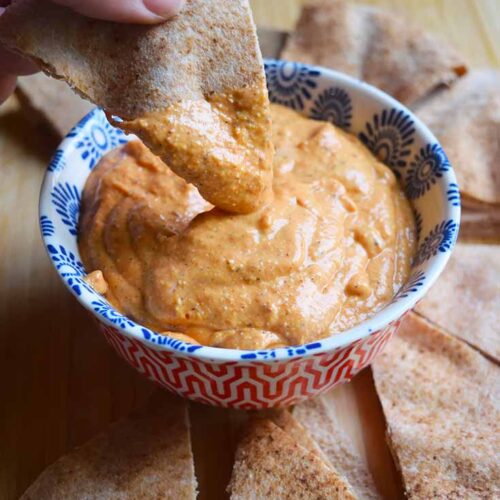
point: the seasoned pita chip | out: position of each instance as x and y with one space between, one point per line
480 224
148 455
465 300
466 120
285 421
52 101
270 464
193 88
271 42
318 419
441 402
373 45
130 70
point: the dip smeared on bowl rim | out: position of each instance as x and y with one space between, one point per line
331 249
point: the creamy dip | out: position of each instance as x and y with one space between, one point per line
332 247
221 144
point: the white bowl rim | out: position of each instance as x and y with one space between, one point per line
379 321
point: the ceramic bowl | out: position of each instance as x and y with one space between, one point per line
284 376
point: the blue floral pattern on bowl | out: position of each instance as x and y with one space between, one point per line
98 138
384 126
415 281
426 167
440 239
103 308
453 194
58 161
333 105
290 84
66 199
46 226
69 267
389 136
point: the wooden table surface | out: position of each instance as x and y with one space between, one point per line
59 381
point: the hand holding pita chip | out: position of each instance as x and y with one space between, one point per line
129 11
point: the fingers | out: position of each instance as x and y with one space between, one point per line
126 11
11 65
7 86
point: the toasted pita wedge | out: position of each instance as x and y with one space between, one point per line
130 70
466 120
271 42
465 300
441 402
270 464
373 45
285 421
148 455
190 87
52 101
319 420
481 223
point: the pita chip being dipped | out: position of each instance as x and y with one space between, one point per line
465 300
193 88
441 402
375 46
271 464
466 121
147 456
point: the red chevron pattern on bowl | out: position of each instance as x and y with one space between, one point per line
254 385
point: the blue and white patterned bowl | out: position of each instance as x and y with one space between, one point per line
384 125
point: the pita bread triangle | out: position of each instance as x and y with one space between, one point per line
480 223
140 73
375 46
465 300
130 70
147 456
441 401
466 121
271 464
321 424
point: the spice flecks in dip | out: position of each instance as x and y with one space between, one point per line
222 145
331 249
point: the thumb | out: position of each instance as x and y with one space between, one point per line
126 11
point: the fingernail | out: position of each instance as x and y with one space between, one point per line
164 8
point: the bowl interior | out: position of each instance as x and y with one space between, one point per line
385 126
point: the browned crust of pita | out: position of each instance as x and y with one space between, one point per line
52 101
479 221
131 70
441 403
480 225
373 45
323 427
466 120
285 421
465 300
271 464
145 456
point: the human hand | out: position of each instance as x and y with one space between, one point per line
123 11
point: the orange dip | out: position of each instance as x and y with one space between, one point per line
222 145
331 248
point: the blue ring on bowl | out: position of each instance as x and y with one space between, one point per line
384 125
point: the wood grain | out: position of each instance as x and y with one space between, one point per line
59 381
